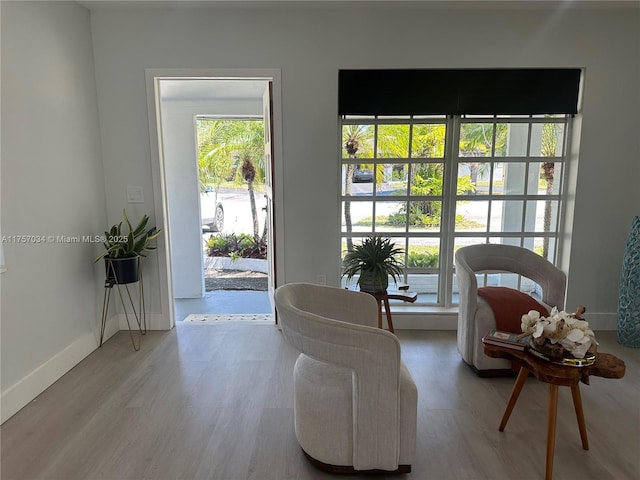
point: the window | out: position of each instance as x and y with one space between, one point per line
440 183
436 182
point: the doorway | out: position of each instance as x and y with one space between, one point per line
231 177
180 101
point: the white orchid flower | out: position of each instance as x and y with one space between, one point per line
573 334
534 315
538 331
549 325
581 324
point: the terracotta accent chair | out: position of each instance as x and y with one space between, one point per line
475 316
355 402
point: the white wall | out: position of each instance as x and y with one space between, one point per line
52 185
311 44
181 176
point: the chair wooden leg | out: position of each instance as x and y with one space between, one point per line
551 429
515 393
577 405
379 312
387 311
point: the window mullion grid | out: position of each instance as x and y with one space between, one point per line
409 164
523 218
490 196
492 164
563 186
375 178
449 199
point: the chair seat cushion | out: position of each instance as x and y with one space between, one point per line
509 305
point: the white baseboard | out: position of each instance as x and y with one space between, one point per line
36 382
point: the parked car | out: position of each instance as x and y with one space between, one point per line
362 175
213 223
216 223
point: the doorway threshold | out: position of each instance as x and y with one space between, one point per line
224 302
222 319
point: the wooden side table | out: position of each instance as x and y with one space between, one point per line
606 365
383 299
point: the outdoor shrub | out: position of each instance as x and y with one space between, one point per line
236 246
245 242
423 260
416 218
218 246
258 248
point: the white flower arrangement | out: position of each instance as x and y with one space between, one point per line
567 330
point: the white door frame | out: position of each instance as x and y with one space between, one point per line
158 167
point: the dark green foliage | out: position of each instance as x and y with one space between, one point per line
423 260
241 246
375 256
132 243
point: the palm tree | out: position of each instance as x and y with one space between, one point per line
392 141
548 149
355 138
214 164
476 139
240 142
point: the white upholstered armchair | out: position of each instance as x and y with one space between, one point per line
475 316
355 401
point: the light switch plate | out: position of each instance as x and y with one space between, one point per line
135 195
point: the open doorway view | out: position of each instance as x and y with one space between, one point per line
231 169
215 164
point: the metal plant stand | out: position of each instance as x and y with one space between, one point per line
139 314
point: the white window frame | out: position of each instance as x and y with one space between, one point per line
449 238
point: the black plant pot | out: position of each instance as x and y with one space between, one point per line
121 271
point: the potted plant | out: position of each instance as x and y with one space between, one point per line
375 260
124 249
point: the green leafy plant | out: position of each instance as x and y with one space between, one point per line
237 246
375 260
132 243
423 259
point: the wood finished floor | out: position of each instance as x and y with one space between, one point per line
215 402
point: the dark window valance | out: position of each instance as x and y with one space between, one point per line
526 91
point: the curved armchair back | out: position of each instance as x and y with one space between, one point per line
509 258
474 259
336 326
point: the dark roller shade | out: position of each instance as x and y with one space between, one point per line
458 91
